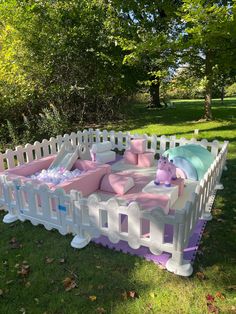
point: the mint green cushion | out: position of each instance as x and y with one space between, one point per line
197 155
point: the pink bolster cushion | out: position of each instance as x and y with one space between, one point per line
116 183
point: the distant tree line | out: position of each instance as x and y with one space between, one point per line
64 62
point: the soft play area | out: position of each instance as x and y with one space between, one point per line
145 195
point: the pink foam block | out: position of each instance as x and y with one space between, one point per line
116 183
150 201
180 183
130 157
87 182
84 165
145 159
32 167
138 146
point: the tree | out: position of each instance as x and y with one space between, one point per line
146 33
206 35
59 52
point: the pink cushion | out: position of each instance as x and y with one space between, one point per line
138 145
87 182
116 183
130 158
84 165
145 159
32 167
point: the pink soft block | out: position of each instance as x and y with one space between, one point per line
130 158
180 183
138 146
151 201
84 165
32 167
145 159
87 182
116 183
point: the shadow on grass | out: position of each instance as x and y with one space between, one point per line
217 250
138 116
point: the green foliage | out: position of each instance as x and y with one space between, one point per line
52 122
184 85
231 90
59 52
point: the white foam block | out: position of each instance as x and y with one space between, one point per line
105 157
101 147
171 192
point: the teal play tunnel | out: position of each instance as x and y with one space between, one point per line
193 159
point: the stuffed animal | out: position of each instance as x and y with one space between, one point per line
166 171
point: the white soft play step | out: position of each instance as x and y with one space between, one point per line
66 157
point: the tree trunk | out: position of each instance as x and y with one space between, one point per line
208 92
155 94
222 91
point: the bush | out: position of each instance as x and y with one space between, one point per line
230 91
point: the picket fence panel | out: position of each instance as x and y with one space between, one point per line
71 213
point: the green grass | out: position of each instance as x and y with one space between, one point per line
110 275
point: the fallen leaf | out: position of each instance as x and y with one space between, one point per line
98 266
149 308
36 300
200 275
221 220
217 211
62 260
231 288
212 308
22 310
210 298
28 284
219 295
132 294
9 282
1 292
49 260
23 270
100 310
15 244
92 298
69 283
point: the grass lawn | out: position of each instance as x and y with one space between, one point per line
35 262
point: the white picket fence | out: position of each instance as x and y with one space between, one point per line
90 217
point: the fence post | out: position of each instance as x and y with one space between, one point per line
11 216
81 238
176 264
134 225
